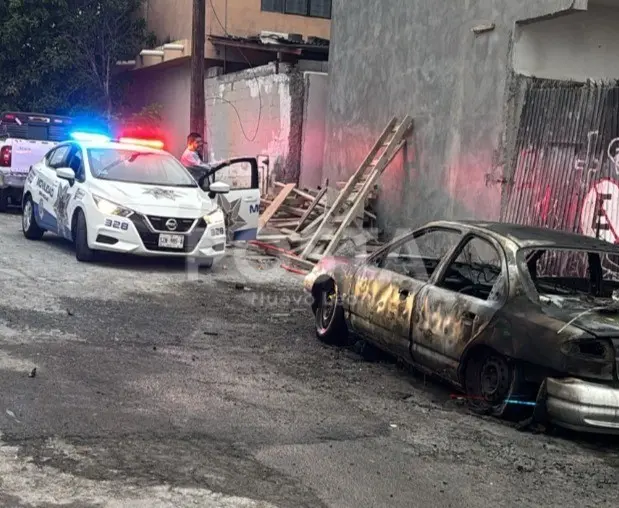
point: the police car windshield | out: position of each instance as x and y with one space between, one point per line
130 166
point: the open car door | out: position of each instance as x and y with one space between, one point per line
241 206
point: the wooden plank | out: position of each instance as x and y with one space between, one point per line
296 240
358 175
314 257
306 196
311 208
396 145
274 206
283 223
353 180
311 227
291 210
302 262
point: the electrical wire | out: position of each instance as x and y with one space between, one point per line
255 77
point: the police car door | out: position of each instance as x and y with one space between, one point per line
46 184
69 194
241 206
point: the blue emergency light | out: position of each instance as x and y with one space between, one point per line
90 137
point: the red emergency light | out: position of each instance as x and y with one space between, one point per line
151 143
5 156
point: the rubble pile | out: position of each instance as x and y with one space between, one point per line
310 224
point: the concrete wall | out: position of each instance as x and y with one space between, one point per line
421 57
169 86
169 19
257 112
172 19
314 116
577 47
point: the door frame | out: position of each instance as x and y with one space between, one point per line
207 174
376 262
444 365
248 194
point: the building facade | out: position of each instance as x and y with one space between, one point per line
506 125
261 57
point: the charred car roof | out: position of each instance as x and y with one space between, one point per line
531 236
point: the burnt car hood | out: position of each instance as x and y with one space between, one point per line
587 315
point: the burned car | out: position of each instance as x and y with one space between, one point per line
520 319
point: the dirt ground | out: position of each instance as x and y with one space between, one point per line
156 387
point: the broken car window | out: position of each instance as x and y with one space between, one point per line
237 175
476 271
419 257
570 273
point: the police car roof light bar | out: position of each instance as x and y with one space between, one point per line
89 136
151 143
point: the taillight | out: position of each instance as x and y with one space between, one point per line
5 156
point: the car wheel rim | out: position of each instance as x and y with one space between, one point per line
494 380
327 309
26 215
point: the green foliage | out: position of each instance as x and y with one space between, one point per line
58 56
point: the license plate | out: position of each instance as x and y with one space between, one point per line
171 241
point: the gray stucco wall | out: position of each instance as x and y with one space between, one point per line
421 57
313 142
257 112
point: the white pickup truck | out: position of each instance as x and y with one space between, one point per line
25 138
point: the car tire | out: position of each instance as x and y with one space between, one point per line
201 262
83 252
329 316
29 225
4 200
206 262
495 386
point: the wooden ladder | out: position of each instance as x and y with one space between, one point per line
351 199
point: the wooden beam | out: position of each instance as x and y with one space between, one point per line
274 206
310 209
348 218
352 181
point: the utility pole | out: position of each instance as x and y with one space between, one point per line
197 122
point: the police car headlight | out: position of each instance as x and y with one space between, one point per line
214 216
109 208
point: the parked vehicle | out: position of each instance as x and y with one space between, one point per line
241 206
520 318
125 196
24 139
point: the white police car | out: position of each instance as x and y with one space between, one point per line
128 196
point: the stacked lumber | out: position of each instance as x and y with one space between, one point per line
308 226
292 215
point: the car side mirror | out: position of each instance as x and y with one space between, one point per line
66 174
218 188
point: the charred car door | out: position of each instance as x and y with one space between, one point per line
458 304
385 289
241 206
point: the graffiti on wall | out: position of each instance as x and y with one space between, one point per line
565 174
598 217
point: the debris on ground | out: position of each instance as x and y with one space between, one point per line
33 372
309 224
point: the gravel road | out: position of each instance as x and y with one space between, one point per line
155 387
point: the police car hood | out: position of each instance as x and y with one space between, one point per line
157 199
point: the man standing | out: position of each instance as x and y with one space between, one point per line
191 156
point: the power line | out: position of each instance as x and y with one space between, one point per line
255 77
